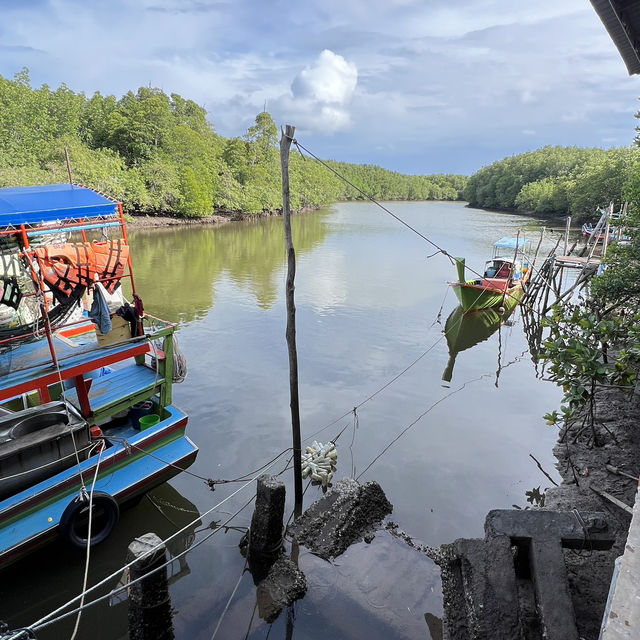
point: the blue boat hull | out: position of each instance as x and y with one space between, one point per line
126 470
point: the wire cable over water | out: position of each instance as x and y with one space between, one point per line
438 248
54 617
366 195
125 587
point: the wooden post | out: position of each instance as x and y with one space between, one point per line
535 258
150 616
566 235
66 156
605 241
285 145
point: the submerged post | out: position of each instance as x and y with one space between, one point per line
150 615
265 533
285 145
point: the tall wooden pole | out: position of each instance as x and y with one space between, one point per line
66 155
285 145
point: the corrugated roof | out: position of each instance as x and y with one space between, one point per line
621 18
46 203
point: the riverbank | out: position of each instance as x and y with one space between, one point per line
583 468
220 218
489 592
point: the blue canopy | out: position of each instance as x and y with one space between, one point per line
510 243
50 202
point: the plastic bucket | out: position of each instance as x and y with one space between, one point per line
140 409
148 421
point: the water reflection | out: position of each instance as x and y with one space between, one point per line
182 266
464 331
53 575
366 299
179 512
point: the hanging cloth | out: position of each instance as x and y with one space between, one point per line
99 311
128 313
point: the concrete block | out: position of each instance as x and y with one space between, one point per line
341 517
480 591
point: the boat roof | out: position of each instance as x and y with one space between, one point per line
51 202
510 243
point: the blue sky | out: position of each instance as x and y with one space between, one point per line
417 86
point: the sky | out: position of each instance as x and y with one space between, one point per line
415 86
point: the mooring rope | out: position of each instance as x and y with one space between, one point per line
45 620
422 415
126 587
89 527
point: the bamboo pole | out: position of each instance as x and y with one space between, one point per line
566 235
66 156
285 145
605 241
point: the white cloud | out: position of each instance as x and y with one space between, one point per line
330 80
416 86
321 93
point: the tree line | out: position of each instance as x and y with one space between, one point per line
159 154
559 180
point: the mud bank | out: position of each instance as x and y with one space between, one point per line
220 218
546 572
583 468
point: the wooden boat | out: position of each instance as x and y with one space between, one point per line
503 277
73 429
465 330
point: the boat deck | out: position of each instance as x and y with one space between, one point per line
21 367
120 389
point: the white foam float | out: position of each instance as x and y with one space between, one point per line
319 462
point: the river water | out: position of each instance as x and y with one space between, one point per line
372 300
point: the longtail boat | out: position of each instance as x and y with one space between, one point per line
87 423
503 277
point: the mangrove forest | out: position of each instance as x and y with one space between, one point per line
160 155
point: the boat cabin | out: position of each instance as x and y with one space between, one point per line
508 261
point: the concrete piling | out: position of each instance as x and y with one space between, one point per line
266 523
149 600
265 534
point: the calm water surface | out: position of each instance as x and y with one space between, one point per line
371 301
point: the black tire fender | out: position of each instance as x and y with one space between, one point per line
99 530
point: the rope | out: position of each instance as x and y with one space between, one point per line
438 248
47 324
86 565
207 481
233 593
366 195
48 464
125 587
424 413
386 385
44 620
